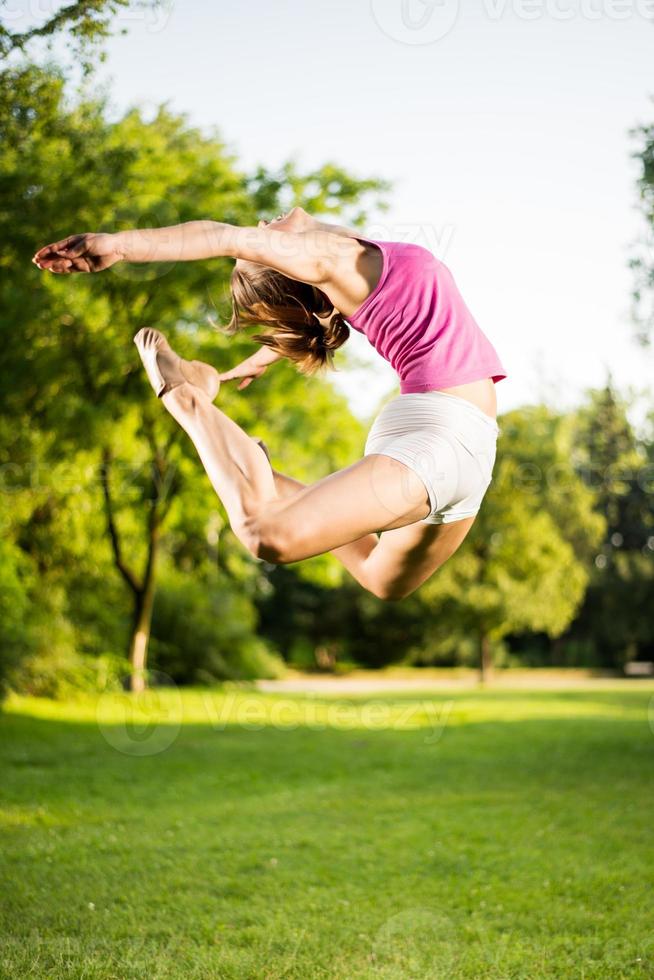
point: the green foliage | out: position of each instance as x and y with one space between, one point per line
522 565
103 483
85 23
642 261
60 672
327 190
613 462
317 623
611 459
98 483
204 630
15 580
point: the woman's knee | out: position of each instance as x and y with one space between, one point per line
268 539
388 590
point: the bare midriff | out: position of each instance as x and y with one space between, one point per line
480 393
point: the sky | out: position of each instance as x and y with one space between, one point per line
502 124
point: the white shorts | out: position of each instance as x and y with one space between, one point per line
447 441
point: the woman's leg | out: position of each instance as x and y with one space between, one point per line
353 556
407 556
376 493
397 563
237 468
340 513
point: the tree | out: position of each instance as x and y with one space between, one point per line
642 262
614 619
69 373
523 565
85 22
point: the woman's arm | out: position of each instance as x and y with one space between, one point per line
253 367
94 252
310 256
180 243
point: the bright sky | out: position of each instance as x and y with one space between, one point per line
503 123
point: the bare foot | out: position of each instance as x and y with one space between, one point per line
167 370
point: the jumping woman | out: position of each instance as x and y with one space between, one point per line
393 517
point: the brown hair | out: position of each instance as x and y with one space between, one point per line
268 297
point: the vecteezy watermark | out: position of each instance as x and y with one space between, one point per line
145 238
256 713
516 475
413 944
565 10
22 15
32 954
37 475
147 723
144 723
400 486
530 478
428 21
650 714
436 239
152 14
150 221
415 21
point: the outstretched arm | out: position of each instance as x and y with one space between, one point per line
311 256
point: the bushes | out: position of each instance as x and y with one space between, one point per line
203 630
61 673
15 581
39 643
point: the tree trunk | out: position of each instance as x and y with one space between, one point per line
325 656
140 638
556 651
485 659
141 589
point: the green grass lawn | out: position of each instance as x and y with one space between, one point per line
238 835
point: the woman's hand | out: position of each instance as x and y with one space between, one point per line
80 253
247 370
252 367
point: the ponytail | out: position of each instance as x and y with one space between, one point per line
305 327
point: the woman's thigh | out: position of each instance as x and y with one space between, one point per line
407 556
376 493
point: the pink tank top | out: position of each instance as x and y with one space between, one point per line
416 318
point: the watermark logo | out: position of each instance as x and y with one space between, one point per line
650 714
318 714
153 16
26 14
435 238
143 723
566 10
415 21
148 219
415 943
420 22
419 475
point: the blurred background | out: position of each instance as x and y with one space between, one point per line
513 139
